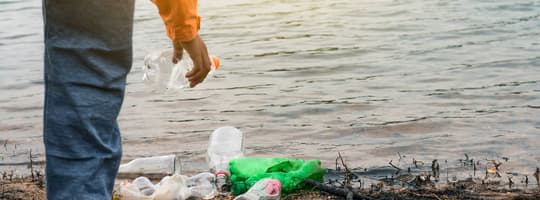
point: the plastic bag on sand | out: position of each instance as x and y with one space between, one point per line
246 171
265 189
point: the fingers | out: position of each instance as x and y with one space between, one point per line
202 72
201 61
194 49
178 52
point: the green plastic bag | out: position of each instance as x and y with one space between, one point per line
245 172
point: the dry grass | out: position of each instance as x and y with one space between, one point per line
22 188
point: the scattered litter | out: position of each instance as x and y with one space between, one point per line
151 166
264 189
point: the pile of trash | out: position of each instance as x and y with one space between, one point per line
230 172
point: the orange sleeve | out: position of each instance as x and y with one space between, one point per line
180 18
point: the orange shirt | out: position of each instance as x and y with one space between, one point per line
180 18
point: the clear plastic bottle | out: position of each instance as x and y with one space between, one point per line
132 191
172 188
264 189
226 143
161 74
144 185
177 187
158 165
202 185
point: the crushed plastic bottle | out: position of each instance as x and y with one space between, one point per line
226 143
177 187
264 189
158 165
132 192
161 74
144 185
172 188
202 185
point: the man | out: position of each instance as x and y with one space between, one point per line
88 54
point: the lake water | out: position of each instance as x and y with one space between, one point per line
310 78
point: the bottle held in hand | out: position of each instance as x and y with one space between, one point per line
163 75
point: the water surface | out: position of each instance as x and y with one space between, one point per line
309 78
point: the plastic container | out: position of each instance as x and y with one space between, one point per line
154 166
172 188
132 192
163 75
178 187
226 143
202 185
264 189
144 185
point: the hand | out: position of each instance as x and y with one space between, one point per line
199 54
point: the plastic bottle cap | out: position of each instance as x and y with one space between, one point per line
215 59
273 187
223 174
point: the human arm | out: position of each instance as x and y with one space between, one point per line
182 24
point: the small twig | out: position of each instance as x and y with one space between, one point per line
416 162
31 165
474 169
11 176
537 176
468 161
337 167
342 162
435 168
347 171
399 169
447 178
497 164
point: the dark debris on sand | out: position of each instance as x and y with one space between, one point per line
423 180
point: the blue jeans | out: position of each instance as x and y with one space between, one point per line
88 54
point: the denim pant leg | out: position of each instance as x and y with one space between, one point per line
88 55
